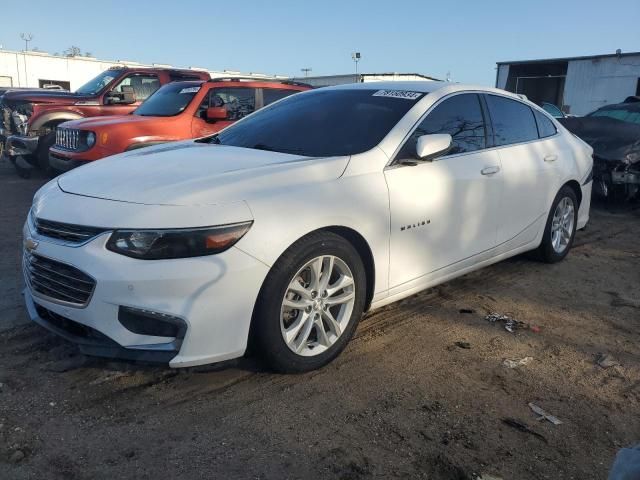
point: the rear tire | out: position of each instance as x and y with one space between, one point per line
560 229
330 304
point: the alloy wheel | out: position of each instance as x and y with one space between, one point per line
317 305
562 225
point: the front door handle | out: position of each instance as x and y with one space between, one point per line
490 170
550 158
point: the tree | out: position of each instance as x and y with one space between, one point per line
73 51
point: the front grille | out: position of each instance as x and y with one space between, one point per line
57 281
65 231
68 138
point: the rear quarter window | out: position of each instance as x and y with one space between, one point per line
546 128
270 95
513 121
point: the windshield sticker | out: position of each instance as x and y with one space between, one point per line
190 90
404 94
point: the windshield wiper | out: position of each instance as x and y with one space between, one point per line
267 148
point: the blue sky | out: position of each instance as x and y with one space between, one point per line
280 37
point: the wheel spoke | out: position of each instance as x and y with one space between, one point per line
292 332
333 323
339 299
323 339
343 282
304 334
327 269
316 272
300 289
296 304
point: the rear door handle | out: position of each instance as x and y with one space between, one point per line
490 170
550 158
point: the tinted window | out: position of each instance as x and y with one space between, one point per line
552 110
271 95
459 116
239 102
512 121
546 128
321 123
143 85
170 100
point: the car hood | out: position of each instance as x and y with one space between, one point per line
110 121
192 173
50 96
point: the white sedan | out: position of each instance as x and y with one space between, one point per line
280 231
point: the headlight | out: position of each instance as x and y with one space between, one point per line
177 243
91 139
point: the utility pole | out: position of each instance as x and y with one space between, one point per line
27 37
355 56
306 71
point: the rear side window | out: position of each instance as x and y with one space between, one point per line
459 116
239 101
271 95
513 122
546 128
143 85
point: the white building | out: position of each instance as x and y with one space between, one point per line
578 85
329 80
37 69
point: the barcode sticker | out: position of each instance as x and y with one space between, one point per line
403 94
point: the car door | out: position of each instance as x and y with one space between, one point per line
239 102
528 168
444 211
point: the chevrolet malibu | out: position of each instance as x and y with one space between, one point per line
281 230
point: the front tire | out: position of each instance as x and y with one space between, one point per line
560 229
310 303
44 144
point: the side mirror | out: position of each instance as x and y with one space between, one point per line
216 113
429 147
126 97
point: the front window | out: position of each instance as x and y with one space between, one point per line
322 123
170 100
94 86
622 114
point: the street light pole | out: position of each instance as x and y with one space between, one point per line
306 71
27 37
355 56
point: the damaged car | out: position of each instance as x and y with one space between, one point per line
614 133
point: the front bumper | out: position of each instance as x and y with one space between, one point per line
21 145
64 164
213 297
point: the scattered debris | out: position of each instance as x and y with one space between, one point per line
486 476
605 360
513 423
544 415
465 345
620 301
108 377
510 323
517 363
466 310
535 329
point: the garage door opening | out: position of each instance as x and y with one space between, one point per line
540 82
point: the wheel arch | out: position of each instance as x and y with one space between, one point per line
575 186
53 119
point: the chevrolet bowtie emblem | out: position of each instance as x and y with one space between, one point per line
30 244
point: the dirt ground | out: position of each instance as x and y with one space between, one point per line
403 400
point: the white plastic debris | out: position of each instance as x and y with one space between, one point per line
544 415
517 363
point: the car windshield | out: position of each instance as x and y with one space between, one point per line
94 86
631 115
169 100
322 123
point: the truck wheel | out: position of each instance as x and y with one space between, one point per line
45 143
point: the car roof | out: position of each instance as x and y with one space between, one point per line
424 86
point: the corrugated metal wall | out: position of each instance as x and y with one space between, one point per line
593 83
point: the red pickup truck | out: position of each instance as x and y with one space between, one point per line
28 119
178 111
